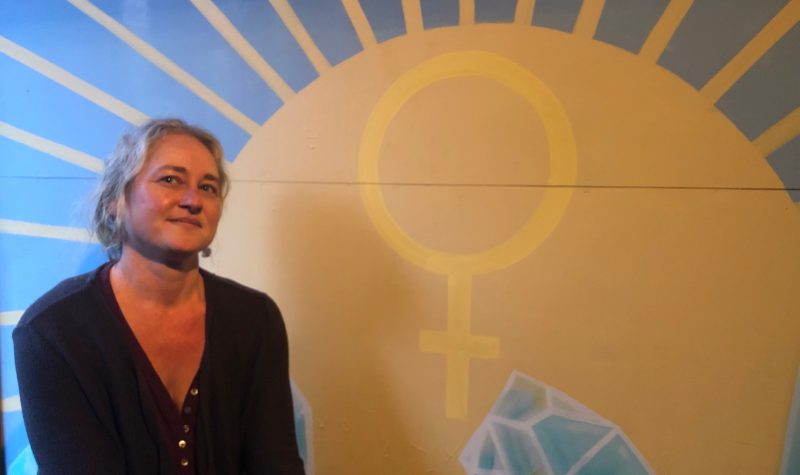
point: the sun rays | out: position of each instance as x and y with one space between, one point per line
586 23
67 154
298 30
71 82
715 88
228 30
360 23
283 67
167 65
779 134
63 233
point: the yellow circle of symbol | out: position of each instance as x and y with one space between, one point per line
561 145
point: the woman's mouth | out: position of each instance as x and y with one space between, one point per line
187 221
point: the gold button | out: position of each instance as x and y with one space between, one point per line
186 428
184 462
182 444
194 391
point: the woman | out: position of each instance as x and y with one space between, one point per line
149 364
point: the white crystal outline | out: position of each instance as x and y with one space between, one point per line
537 447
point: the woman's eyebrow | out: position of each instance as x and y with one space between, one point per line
183 170
174 168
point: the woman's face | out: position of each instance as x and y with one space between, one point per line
174 203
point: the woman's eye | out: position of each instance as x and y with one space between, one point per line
169 179
209 188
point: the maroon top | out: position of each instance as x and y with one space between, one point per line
177 427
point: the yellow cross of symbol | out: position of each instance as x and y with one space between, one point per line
458 344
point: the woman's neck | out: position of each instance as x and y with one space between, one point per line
162 284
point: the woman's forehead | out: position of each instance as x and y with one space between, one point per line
181 150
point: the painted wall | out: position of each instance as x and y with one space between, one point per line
508 237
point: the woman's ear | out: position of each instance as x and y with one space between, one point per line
117 210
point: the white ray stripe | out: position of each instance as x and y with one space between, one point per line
64 233
70 81
75 157
523 14
466 12
360 22
10 319
166 65
412 14
754 50
300 34
223 25
661 34
12 404
779 133
588 18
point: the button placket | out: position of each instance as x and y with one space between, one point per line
189 405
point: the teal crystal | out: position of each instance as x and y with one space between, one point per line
565 440
536 429
302 428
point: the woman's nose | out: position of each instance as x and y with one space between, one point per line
191 201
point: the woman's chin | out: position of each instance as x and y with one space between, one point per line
174 254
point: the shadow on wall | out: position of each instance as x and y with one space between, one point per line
344 294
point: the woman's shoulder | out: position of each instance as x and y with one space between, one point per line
67 296
226 291
226 287
236 300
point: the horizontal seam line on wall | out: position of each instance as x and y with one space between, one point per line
518 185
457 185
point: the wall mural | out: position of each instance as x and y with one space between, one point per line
508 237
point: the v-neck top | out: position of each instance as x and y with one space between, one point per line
177 426
88 408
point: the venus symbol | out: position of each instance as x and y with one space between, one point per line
457 343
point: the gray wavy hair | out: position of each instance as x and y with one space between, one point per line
126 162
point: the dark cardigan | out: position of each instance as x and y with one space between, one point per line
87 413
